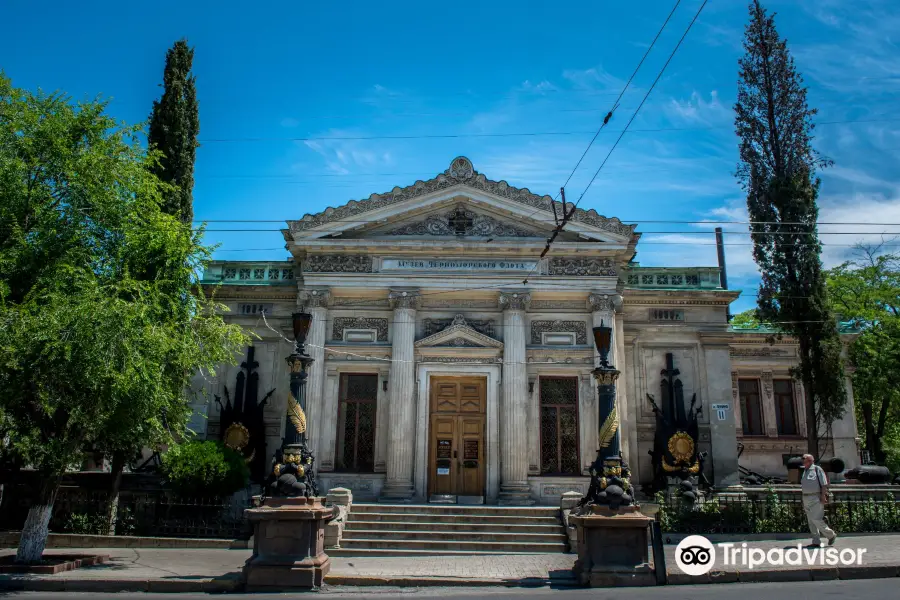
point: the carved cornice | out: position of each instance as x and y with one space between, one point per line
582 267
314 298
337 263
604 302
514 300
461 173
405 299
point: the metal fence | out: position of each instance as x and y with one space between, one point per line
140 513
774 513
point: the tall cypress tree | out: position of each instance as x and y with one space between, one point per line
778 171
174 126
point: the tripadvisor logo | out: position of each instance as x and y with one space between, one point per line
695 555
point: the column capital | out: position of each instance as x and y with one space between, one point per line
604 302
404 299
314 297
515 300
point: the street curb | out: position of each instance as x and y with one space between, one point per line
410 581
785 576
220 585
121 585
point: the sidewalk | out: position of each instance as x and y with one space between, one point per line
207 570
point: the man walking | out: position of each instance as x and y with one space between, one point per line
814 485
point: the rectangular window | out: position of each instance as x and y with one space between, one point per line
751 409
784 407
559 426
356 423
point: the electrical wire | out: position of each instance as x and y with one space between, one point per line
502 135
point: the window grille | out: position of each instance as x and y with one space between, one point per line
559 426
356 423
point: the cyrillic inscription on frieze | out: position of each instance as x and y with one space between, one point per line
464 265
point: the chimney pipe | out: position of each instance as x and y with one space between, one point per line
723 274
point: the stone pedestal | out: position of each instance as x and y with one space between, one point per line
342 500
288 545
613 547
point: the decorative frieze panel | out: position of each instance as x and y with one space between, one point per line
433 326
582 267
461 172
557 305
342 323
759 352
430 303
462 222
337 263
579 328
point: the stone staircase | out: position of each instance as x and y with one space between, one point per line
433 529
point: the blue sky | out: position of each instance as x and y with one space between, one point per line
278 71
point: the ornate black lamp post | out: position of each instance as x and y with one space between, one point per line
610 485
292 472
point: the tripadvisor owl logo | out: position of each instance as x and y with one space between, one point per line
695 555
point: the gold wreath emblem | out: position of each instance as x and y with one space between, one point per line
236 437
681 446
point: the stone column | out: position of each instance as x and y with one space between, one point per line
514 488
398 485
316 303
722 433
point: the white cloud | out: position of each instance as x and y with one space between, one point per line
595 78
698 110
344 156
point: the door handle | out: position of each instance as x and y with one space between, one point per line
454 454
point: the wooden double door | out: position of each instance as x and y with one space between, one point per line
457 434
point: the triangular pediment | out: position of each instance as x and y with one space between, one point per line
407 210
457 218
459 335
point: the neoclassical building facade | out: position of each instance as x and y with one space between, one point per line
451 361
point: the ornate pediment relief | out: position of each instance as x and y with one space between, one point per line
459 334
462 222
461 173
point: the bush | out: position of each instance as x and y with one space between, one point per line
204 469
91 524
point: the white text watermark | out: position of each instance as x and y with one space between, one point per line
696 555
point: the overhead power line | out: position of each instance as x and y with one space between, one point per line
499 135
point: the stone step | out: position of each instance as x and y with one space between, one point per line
381 552
457 509
440 547
353 524
453 518
451 536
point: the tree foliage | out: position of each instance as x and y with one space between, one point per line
867 289
91 348
174 126
778 171
746 320
205 468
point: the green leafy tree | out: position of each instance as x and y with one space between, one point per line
778 171
747 319
867 290
205 468
174 126
90 347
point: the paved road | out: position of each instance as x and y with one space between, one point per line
817 590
